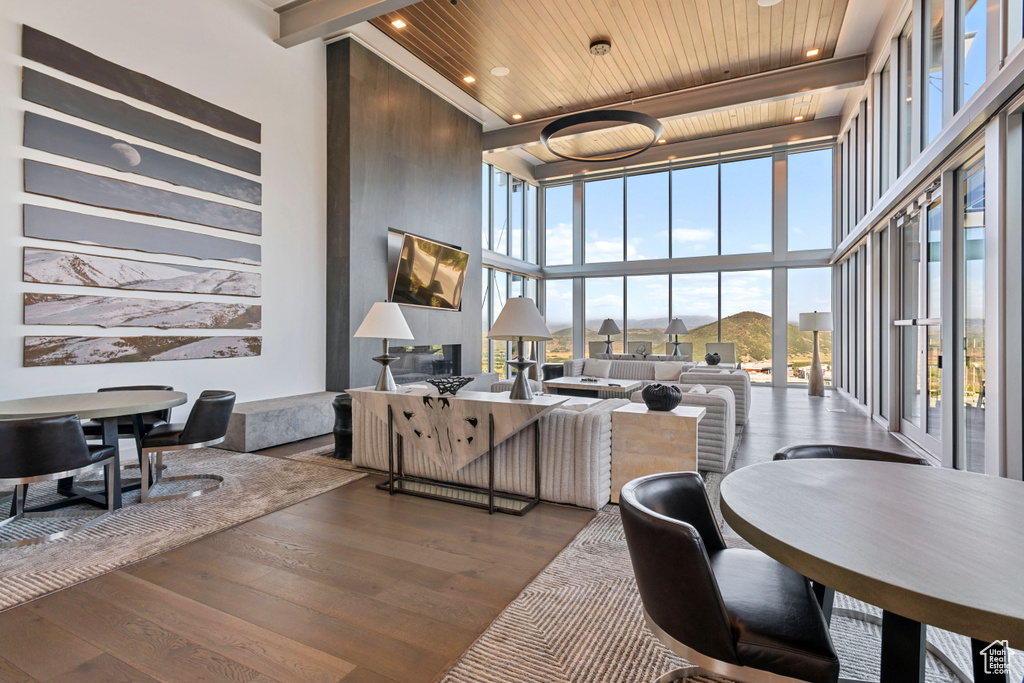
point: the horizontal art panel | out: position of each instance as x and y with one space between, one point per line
120 116
115 311
67 226
107 193
74 142
48 266
41 351
54 52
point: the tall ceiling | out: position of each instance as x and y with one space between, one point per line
658 46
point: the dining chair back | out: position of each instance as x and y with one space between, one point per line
47 449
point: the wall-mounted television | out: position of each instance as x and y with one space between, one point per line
429 274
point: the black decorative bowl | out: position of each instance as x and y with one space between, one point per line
712 359
449 385
661 396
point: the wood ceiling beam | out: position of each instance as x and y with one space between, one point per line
805 79
762 137
305 20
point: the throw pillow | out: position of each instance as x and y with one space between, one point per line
597 368
667 371
698 389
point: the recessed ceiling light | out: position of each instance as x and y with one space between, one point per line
798 118
398 23
468 79
767 3
813 52
661 141
500 71
517 116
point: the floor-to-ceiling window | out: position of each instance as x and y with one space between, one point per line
747 319
971 318
603 300
647 224
884 128
695 299
681 215
695 211
809 183
809 290
931 110
905 105
558 225
971 48
647 300
746 206
603 209
558 315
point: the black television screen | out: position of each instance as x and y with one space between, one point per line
429 274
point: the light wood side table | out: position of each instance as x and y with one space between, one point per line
651 441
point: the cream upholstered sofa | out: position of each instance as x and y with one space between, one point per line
644 371
575 454
716 433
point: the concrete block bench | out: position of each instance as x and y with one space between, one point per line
271 422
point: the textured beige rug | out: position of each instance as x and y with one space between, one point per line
322 456
254 485
580 621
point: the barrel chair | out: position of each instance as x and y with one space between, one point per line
207 425
48 449
732 612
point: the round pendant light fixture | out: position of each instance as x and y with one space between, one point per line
600 48
601 115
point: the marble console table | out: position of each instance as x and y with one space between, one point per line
454 431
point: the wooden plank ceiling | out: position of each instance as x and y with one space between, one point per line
658 46
684 128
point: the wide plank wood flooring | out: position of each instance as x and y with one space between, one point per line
352 585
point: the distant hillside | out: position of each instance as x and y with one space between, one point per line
751 331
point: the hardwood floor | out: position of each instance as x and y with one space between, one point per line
351 585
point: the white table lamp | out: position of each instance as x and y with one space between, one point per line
608 328
676 328
385 321
816 322
520 320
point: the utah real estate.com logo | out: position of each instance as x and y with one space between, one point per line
996 657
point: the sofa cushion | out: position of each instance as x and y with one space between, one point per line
698 389
667 371
597 368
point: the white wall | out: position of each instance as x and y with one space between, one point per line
222 51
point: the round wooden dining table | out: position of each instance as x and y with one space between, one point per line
928 545
105 407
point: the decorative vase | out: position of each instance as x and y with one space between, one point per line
712 359
449 385
662 397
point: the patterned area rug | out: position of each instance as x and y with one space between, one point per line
254 485
581 620
322 456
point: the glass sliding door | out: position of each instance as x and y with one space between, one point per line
919 327
970 302
884 322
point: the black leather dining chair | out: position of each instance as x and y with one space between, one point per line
732 612
820 450
47 449
207 425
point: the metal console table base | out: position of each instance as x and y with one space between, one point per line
472 496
